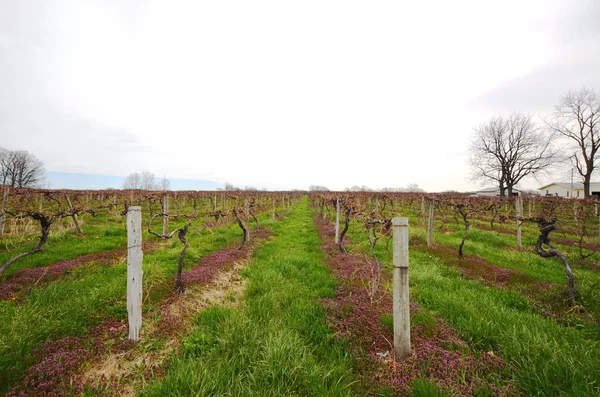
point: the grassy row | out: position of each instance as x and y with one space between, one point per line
101 234
496 249
548 359
66 307
277 343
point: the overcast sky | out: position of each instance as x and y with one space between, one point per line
282 94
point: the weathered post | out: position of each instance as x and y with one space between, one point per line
74 215
215 204
4 203
134 271
400 294
598 215
337 221
430 224
519 208
273 200
165 214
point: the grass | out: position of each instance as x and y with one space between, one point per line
547 358
68 306
100 235
278 342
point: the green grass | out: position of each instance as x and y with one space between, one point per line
277 343
68 306
100 235
547 358
527 261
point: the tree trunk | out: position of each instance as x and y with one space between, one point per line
346 225
243 227
178 280
545 228
74 215
45 223
502 189
586 185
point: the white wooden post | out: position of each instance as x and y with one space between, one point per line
166 214
273 199
337 221
134 271
519 208
4 202
215 204
400 293
422 207
430 225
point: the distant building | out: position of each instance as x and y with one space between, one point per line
495 191
566 189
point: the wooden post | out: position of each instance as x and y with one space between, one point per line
3 215
134 271
598 215
74 216
422 207
247 211
519 208
166 214
215 204
529 208
223 201
337 221
400 293
273 200
283 202
430 225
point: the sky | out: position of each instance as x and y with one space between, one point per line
281 94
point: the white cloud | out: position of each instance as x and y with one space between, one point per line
335 93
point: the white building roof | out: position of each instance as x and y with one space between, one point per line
492 190
575 185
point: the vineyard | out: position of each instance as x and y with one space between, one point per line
287 293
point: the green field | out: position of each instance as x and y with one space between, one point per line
280 316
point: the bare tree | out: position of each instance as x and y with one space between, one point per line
148 181
577 118
133 181
165 184
20 169
142 181
506 149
